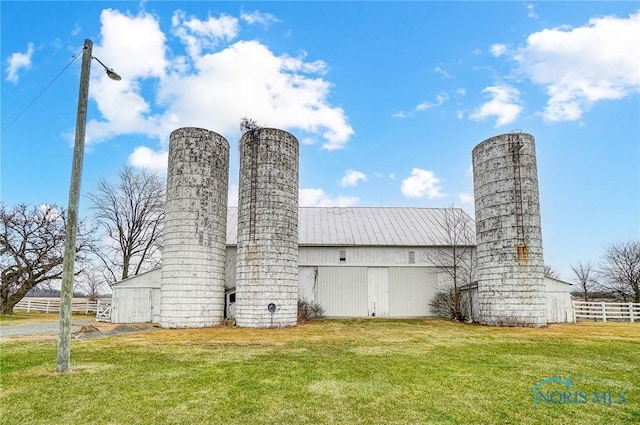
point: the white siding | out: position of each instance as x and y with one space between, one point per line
137 299
308 285
559 305
410 290
135 305
342 291
364 256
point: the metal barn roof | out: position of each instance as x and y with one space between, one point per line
337 226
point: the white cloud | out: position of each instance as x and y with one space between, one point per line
212 87
421 183
440 99
247 79
143 157
319 198
531 12
461 91
18 61
352 177
504 105
256 17
49 212
198 35
440 70
498 50
466 198
581 66
125 37
477 52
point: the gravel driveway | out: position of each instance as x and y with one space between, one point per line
8 331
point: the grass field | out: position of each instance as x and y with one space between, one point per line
20 317
329 372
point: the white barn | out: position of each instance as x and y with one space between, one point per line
364 262
354 262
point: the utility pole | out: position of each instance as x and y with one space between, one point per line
66 292
71 229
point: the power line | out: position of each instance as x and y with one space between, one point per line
42 92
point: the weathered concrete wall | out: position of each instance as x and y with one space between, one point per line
509 236
267 256
193 268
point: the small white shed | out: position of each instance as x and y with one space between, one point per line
559 303
137 299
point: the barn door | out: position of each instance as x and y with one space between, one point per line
378 291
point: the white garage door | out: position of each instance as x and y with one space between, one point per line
379 291
342 291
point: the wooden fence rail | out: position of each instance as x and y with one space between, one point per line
606 311
53 305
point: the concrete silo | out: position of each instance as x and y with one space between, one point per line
193 262
510 267
267 256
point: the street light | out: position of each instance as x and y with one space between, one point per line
110 72
71 231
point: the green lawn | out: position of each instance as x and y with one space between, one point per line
328 372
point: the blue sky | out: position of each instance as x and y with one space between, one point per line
387 99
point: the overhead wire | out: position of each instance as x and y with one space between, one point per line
42 92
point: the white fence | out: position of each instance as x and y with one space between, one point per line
53 305
606 311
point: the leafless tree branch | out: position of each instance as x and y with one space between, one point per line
130 212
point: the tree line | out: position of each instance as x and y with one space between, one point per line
122 238
617 275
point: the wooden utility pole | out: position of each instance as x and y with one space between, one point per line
66 292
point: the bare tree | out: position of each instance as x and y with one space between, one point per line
130 212
31 250
455 259
621 269
551 272
93 284
248 124
587 277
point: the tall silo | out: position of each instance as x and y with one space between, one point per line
510 267
267 256
193 261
